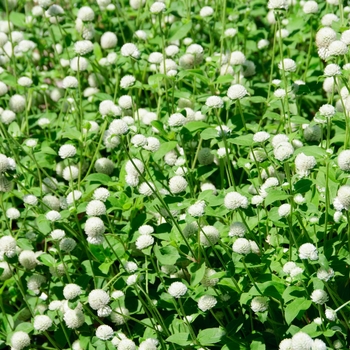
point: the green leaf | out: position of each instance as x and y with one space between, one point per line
245 140
164 149
104 267
18 19
47 259
296 307
275 195
100 178
166 255
181 338
257 345
101 96
315 151
72 134
303 185
193 127
257 99
210 336
9 79
181 32
97 51
155 79
197 273
25 327
209 133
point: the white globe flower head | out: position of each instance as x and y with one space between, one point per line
144 241
304 164
152 144
70 82
17 103
73 197
236 92
206 302
57 234
206 11
344 160
134 167
42 323
104 332
214 102
319 296
86 14
283 151
101 194
168 67
308 251
327 110
118 127
242 246
6 270
259 304
338 48
285 344
125 102
310 7
325 36
79 64
126 344
332 70
127 81
53 216
234 200
172 50
343 196
67 151
67 244
108 40
20 340
83 47
130 50
177 289
130 266
301 341
95 208
98 298
71 291
7 116
157 7
288 65
74 318
237 229
13 213
328 19
94 226
325 275
277 5
25 81
209 235
120 315
261 136
280 93
177 184
197 209
146 188
104 166
176 120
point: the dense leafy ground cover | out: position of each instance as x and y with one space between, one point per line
174 175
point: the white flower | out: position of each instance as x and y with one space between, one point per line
308 251
127 81
284 210
6 270
144 241
236 91
328 19
261 136
104 332
71 291
327 110
332 70
118 127
206 11
104 311
280 93
168 67
172 50
104 166
108 107
138 140
67 151
301 341
157 7
17 103
20 340
130 50
101 194
234 200
259 304
304 164
7 116
177 184
95 208
120 315
325 36
134 167
130 266
74 318
25 81
283 151
230 32
214 102
344 160
285 344
152 144
79 64
67 244
42 323
241 246
108 40
209 235
146 188
343 196
287 65
310 7
206 302
149 344
319 296
13 213
57 234
98 298
70 82
176 119
237 229
86 14
177 289
83 47
325 275
126 344
277 4
53 215
338 48
197 209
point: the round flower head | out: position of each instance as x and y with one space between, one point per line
310 6
206 302
3 88
73 196
67 151
242 246
237 229
283 151
236 91
343 197
168 67
108 40
234 200
205 157
172 50
332 70
209 236
130 50
53 215
284 210
27 259
57 234
237 58
288 65
125 102
152 144
7 246
17 103
144 241
7 116
304 164
127 81
259 304
206 11
177 289
104 332
146 230
325 275
95 208
285 344
120 315
13 213
301 341
308 251
337 48
25 81
70 82
261 136
67 244
319 296
176 119
101 194
197 209
86 14
42 323
146 188
104 166
313 133
157 7
126 344
83 47
177 184
214 102
20 340
138 140
277 4
344 160
325 36
134 167
71 291
6 270
74 318
118 127
98 298
327 110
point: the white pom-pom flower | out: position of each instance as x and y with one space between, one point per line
104 332
177 289
308 251
71 291
206 302
236 92
259 304
234 200
42 323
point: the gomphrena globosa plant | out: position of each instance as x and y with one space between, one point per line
174 174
